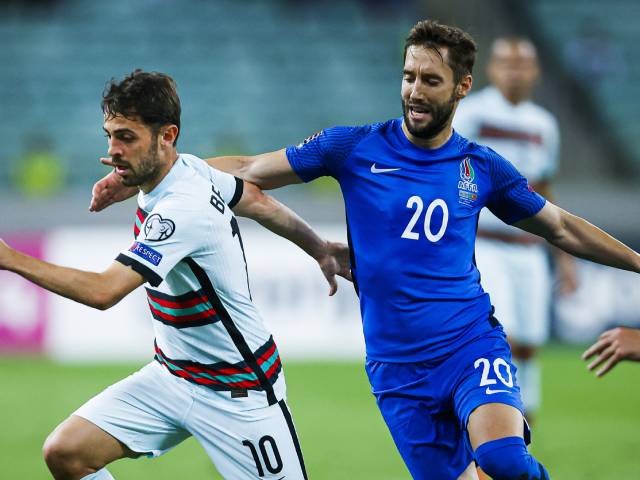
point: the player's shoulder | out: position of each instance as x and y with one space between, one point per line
187 189
353 132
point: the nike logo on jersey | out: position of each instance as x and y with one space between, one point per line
491 392
375 169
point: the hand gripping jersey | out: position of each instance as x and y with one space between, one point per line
188 247
412 215
525 133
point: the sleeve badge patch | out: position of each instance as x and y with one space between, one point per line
157 228
146 252
308 139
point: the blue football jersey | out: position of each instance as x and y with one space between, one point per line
412 215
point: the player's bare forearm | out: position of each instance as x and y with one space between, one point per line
333 258
97 290
580 238
284 222
584 240
267 170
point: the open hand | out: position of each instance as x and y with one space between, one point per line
109 190
612 347
335 261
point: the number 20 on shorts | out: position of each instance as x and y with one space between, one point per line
498 364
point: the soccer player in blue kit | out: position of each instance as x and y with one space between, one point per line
437 359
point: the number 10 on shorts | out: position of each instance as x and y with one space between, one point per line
262 443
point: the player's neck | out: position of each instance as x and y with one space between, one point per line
436 141
166 167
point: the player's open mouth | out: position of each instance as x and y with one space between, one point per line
121 169
419 113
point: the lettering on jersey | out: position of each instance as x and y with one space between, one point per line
157 228
146 252
467 189
216 199
308 139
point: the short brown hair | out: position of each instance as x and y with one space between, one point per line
460 46
152 96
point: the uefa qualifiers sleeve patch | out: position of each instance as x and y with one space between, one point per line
146 252
157 228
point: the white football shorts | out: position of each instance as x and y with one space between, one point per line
152 411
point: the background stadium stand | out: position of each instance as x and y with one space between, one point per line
255 76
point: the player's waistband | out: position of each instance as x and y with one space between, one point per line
234 377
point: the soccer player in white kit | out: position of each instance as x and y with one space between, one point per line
216 374
514 264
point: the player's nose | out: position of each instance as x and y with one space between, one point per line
114 149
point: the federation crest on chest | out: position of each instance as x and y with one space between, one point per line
467 189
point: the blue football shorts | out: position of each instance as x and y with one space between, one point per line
426 405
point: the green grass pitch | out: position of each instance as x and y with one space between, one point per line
588 428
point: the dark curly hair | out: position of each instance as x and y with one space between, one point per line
150 96
460 46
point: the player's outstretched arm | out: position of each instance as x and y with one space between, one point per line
267 170
97 290
332 257
612 347
578 237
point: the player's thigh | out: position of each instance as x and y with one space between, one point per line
144 411
79 441
487 398
248 444
533 296
412 398
496 279
492 421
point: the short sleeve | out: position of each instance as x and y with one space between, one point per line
324 153
511 199
229 187
167 236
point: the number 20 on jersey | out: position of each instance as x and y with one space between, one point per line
416 202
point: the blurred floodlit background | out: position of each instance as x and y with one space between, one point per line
258 75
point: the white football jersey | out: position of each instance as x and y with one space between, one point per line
525 134
189 249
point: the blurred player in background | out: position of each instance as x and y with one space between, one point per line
612 347
217 373
514 264
437 359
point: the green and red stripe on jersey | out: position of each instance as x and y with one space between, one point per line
191 309
137 225
227 376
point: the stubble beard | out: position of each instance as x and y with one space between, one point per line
440 114
147 170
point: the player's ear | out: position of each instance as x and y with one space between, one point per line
169 134
464 86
